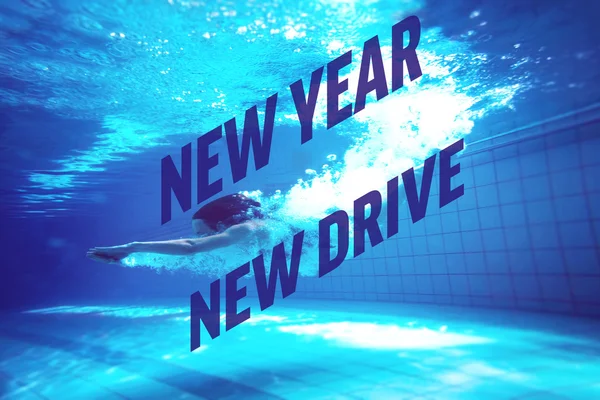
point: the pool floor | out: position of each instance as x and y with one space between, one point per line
298 350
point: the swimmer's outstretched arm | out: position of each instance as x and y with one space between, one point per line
178 247
182 247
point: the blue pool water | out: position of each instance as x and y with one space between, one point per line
302 350
495 296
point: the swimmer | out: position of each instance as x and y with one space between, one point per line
229 220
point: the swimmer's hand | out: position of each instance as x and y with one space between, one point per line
109 254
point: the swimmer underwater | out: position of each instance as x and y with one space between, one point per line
229 220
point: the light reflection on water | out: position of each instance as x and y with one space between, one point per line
153 74
317 348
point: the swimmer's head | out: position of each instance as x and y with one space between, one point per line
225 212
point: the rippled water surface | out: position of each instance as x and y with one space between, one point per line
108 81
